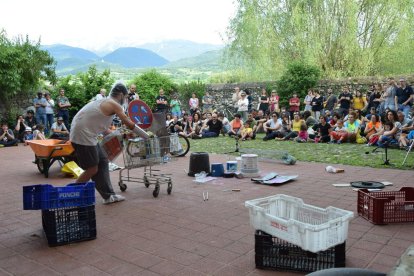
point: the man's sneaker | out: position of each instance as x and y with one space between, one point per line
113 199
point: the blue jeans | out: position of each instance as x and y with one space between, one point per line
41 119
386 141
404 108
208 134
50 118
176 113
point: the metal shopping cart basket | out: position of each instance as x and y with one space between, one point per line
145 153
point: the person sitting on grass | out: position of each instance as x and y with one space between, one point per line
246 132
309 120
236 126
352 126
295 126
406 140
392 130
195 126
260 120
7 137
252 124
339 133
286 127
333 121
323 129
272 127
373 130
214 126
303 135
226 123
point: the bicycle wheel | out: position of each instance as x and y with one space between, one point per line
184 148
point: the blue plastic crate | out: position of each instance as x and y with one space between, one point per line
45 196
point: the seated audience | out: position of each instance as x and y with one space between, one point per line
352 126
236 126
39 133
59 130
226 123
295 126
373 130
247 132
28 135
214 126
272 127
20 128
303 135
339 133
7 137
323 129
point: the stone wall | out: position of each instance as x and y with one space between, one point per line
223 92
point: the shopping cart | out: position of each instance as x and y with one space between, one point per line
146 153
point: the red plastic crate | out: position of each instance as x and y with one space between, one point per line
387 207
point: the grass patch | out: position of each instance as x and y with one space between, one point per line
346 154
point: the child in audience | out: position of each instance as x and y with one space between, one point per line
339 134
39 133
303 135
247 132
28 135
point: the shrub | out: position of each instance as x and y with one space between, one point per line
299 77
149 84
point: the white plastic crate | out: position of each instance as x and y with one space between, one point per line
289 218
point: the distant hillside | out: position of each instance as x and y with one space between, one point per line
67 56
211 59
131 57
178 49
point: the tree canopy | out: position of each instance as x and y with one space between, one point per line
342 38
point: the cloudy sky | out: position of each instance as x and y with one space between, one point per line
98 24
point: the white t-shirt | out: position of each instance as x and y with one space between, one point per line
88 123
243 105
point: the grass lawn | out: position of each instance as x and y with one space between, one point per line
347 154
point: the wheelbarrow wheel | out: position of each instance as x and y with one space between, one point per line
40 165
169 189
122 186
156 190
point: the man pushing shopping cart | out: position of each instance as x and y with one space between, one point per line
93 119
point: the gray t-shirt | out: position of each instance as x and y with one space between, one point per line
389 98
88 123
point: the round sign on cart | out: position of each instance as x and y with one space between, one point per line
140 113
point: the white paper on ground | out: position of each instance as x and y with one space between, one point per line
341 185
205 179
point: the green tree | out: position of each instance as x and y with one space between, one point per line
81 88
343 38
23 68
186 91
299 77
149 84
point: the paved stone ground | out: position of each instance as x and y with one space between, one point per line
180 234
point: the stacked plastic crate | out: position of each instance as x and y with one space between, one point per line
68 213
386 206
294 236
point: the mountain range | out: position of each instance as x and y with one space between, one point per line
169 54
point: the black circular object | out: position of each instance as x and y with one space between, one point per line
199 162
367 184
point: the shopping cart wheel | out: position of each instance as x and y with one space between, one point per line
146 182
169 189
122 186
156 190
